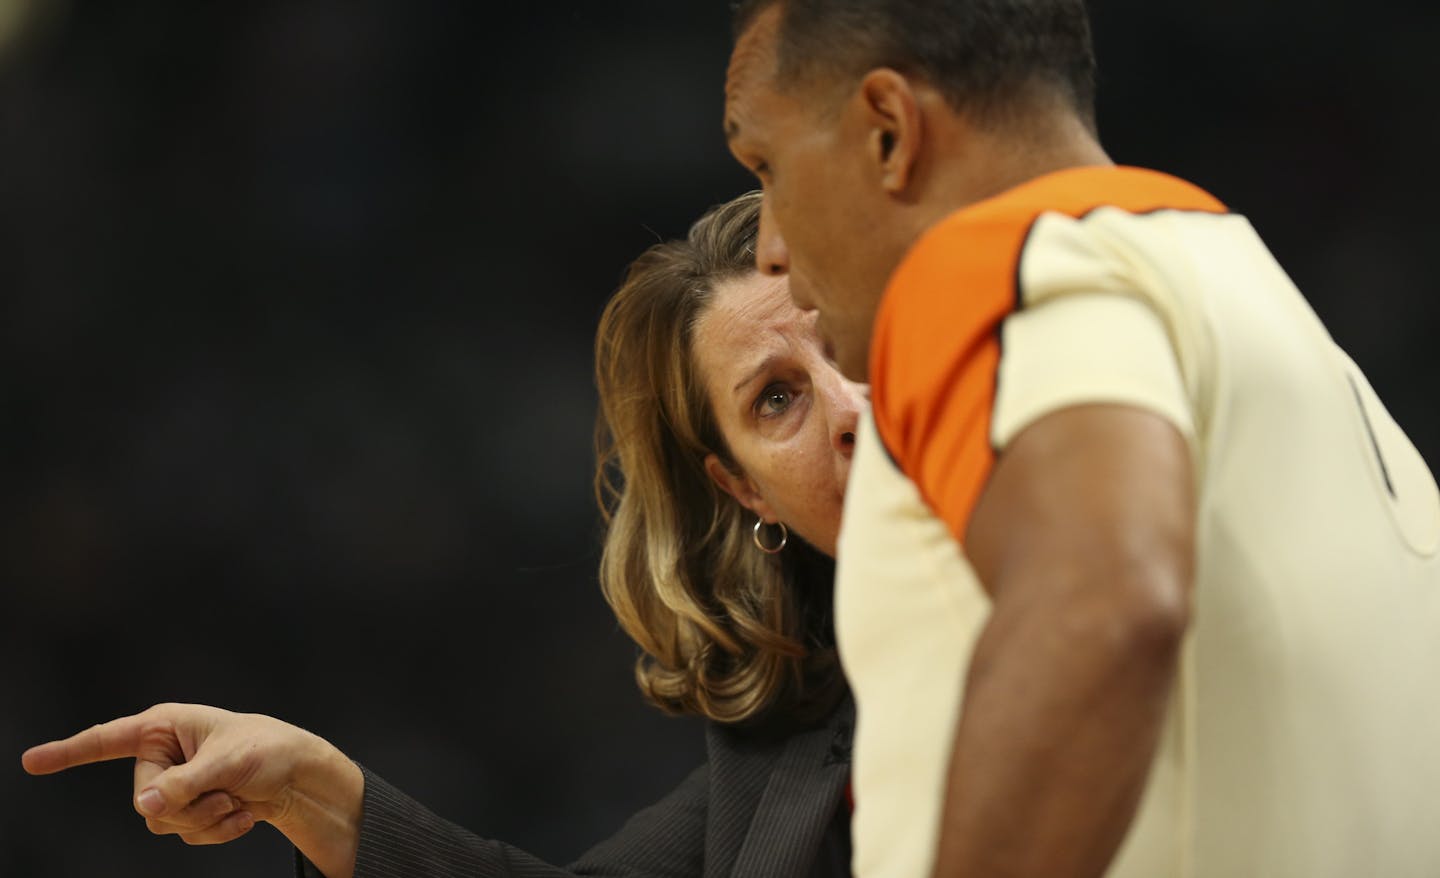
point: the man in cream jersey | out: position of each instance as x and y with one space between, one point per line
1137 575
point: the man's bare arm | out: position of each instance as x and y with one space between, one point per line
1084 539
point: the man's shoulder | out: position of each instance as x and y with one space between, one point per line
1073 192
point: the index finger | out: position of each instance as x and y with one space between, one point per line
117 739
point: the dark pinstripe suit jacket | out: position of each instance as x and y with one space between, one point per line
755 809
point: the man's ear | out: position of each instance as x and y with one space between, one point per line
738 486
895 126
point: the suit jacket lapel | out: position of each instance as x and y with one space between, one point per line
739 771
798 802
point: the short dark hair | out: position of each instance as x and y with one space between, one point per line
983 55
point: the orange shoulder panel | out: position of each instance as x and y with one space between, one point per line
935 352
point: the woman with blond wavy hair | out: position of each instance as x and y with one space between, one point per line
723 444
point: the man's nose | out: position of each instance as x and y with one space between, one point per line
771 257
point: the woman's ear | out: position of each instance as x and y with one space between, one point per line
738 486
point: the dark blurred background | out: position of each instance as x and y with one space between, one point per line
296 305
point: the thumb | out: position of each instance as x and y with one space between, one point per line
163 790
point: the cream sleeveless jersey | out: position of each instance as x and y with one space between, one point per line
1303 737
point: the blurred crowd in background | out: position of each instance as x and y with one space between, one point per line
296 310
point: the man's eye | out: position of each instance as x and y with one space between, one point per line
773 400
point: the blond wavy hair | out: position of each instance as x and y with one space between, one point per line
725 631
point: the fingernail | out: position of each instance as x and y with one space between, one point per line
150 802
246 821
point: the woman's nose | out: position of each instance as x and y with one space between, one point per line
849 402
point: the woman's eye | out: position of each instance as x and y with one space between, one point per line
773 400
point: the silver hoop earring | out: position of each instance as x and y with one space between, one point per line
771 550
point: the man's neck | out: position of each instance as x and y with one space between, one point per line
982 163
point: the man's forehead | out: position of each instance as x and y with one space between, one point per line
752 65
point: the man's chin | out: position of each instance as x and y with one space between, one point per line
853 364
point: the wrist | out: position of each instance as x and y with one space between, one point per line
324 806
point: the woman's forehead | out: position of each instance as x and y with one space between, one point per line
744 308
750 324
